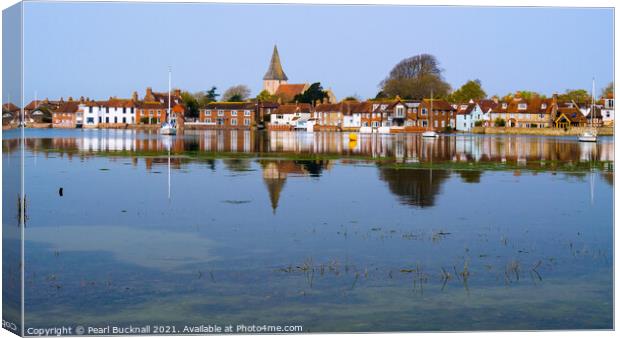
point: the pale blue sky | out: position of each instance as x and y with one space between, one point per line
111 49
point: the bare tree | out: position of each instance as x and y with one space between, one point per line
236 93
415 77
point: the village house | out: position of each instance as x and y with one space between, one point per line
569 115
521 113
443 114
10 114
487 106
228 115
374 118
607 110
153 108
467 115
291 116
114 112
66 116
40 111
328 116
354 113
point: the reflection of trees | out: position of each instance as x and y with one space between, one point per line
237 164
314 168
414 186
608 177
470 176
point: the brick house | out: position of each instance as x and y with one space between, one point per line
153 108
66 116
443 114
329 116
521 113
228 115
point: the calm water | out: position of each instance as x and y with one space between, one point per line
387 233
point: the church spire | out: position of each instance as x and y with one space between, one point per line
275 71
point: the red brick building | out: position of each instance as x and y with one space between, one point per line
228 115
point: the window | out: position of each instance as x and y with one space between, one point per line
208 120
124 110
424 111
124 119
220 113
424 123
99 119
90 109
90 120
504 105
522 106
542 116
107 120
543 106
400 112
247 112
233 113
435 123
208 112
233 122
246 122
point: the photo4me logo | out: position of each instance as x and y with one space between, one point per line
9 326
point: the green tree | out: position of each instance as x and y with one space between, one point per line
236 93
191 103
352 98
500 122
609 89
264 96
415 77
315 93
577 95
471 90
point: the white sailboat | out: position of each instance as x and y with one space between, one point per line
590 135
430 133
168 127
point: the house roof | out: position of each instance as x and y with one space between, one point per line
68 107
293 108
288 91
231 105
357 107
573 114
9 107
437 104
329 107
487 105
275 71
465 109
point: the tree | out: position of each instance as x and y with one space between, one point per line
236 93
191 104
265 96
352 98
576 95
313 94
471 90
609 89
500 122
415 77
211 95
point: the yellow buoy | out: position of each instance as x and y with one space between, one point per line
352 137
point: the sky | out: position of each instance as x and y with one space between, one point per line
99 50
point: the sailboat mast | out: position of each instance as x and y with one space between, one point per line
169 85
431 112
592 105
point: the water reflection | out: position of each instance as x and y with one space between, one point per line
409 148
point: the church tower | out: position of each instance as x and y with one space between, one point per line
275 75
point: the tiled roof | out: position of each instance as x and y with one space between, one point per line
329 107
464 109
68 107
293 108
487 105
288 91
9 107
231 105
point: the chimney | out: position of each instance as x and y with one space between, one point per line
70 98
134 96
149 93
495 99
81 98
177 92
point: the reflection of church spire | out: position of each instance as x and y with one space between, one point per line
274 180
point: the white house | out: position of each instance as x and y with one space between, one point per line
353 113
607 111
111 112
467 115
294 115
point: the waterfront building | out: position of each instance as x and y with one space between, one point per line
568 116
113 112
291 116
10 114
607 110
443 114
522 113
153 108
467 115
68 115
228 115
328 116
487 106
354 113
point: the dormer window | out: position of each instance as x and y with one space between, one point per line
463 107
543 106
504 105
522 106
